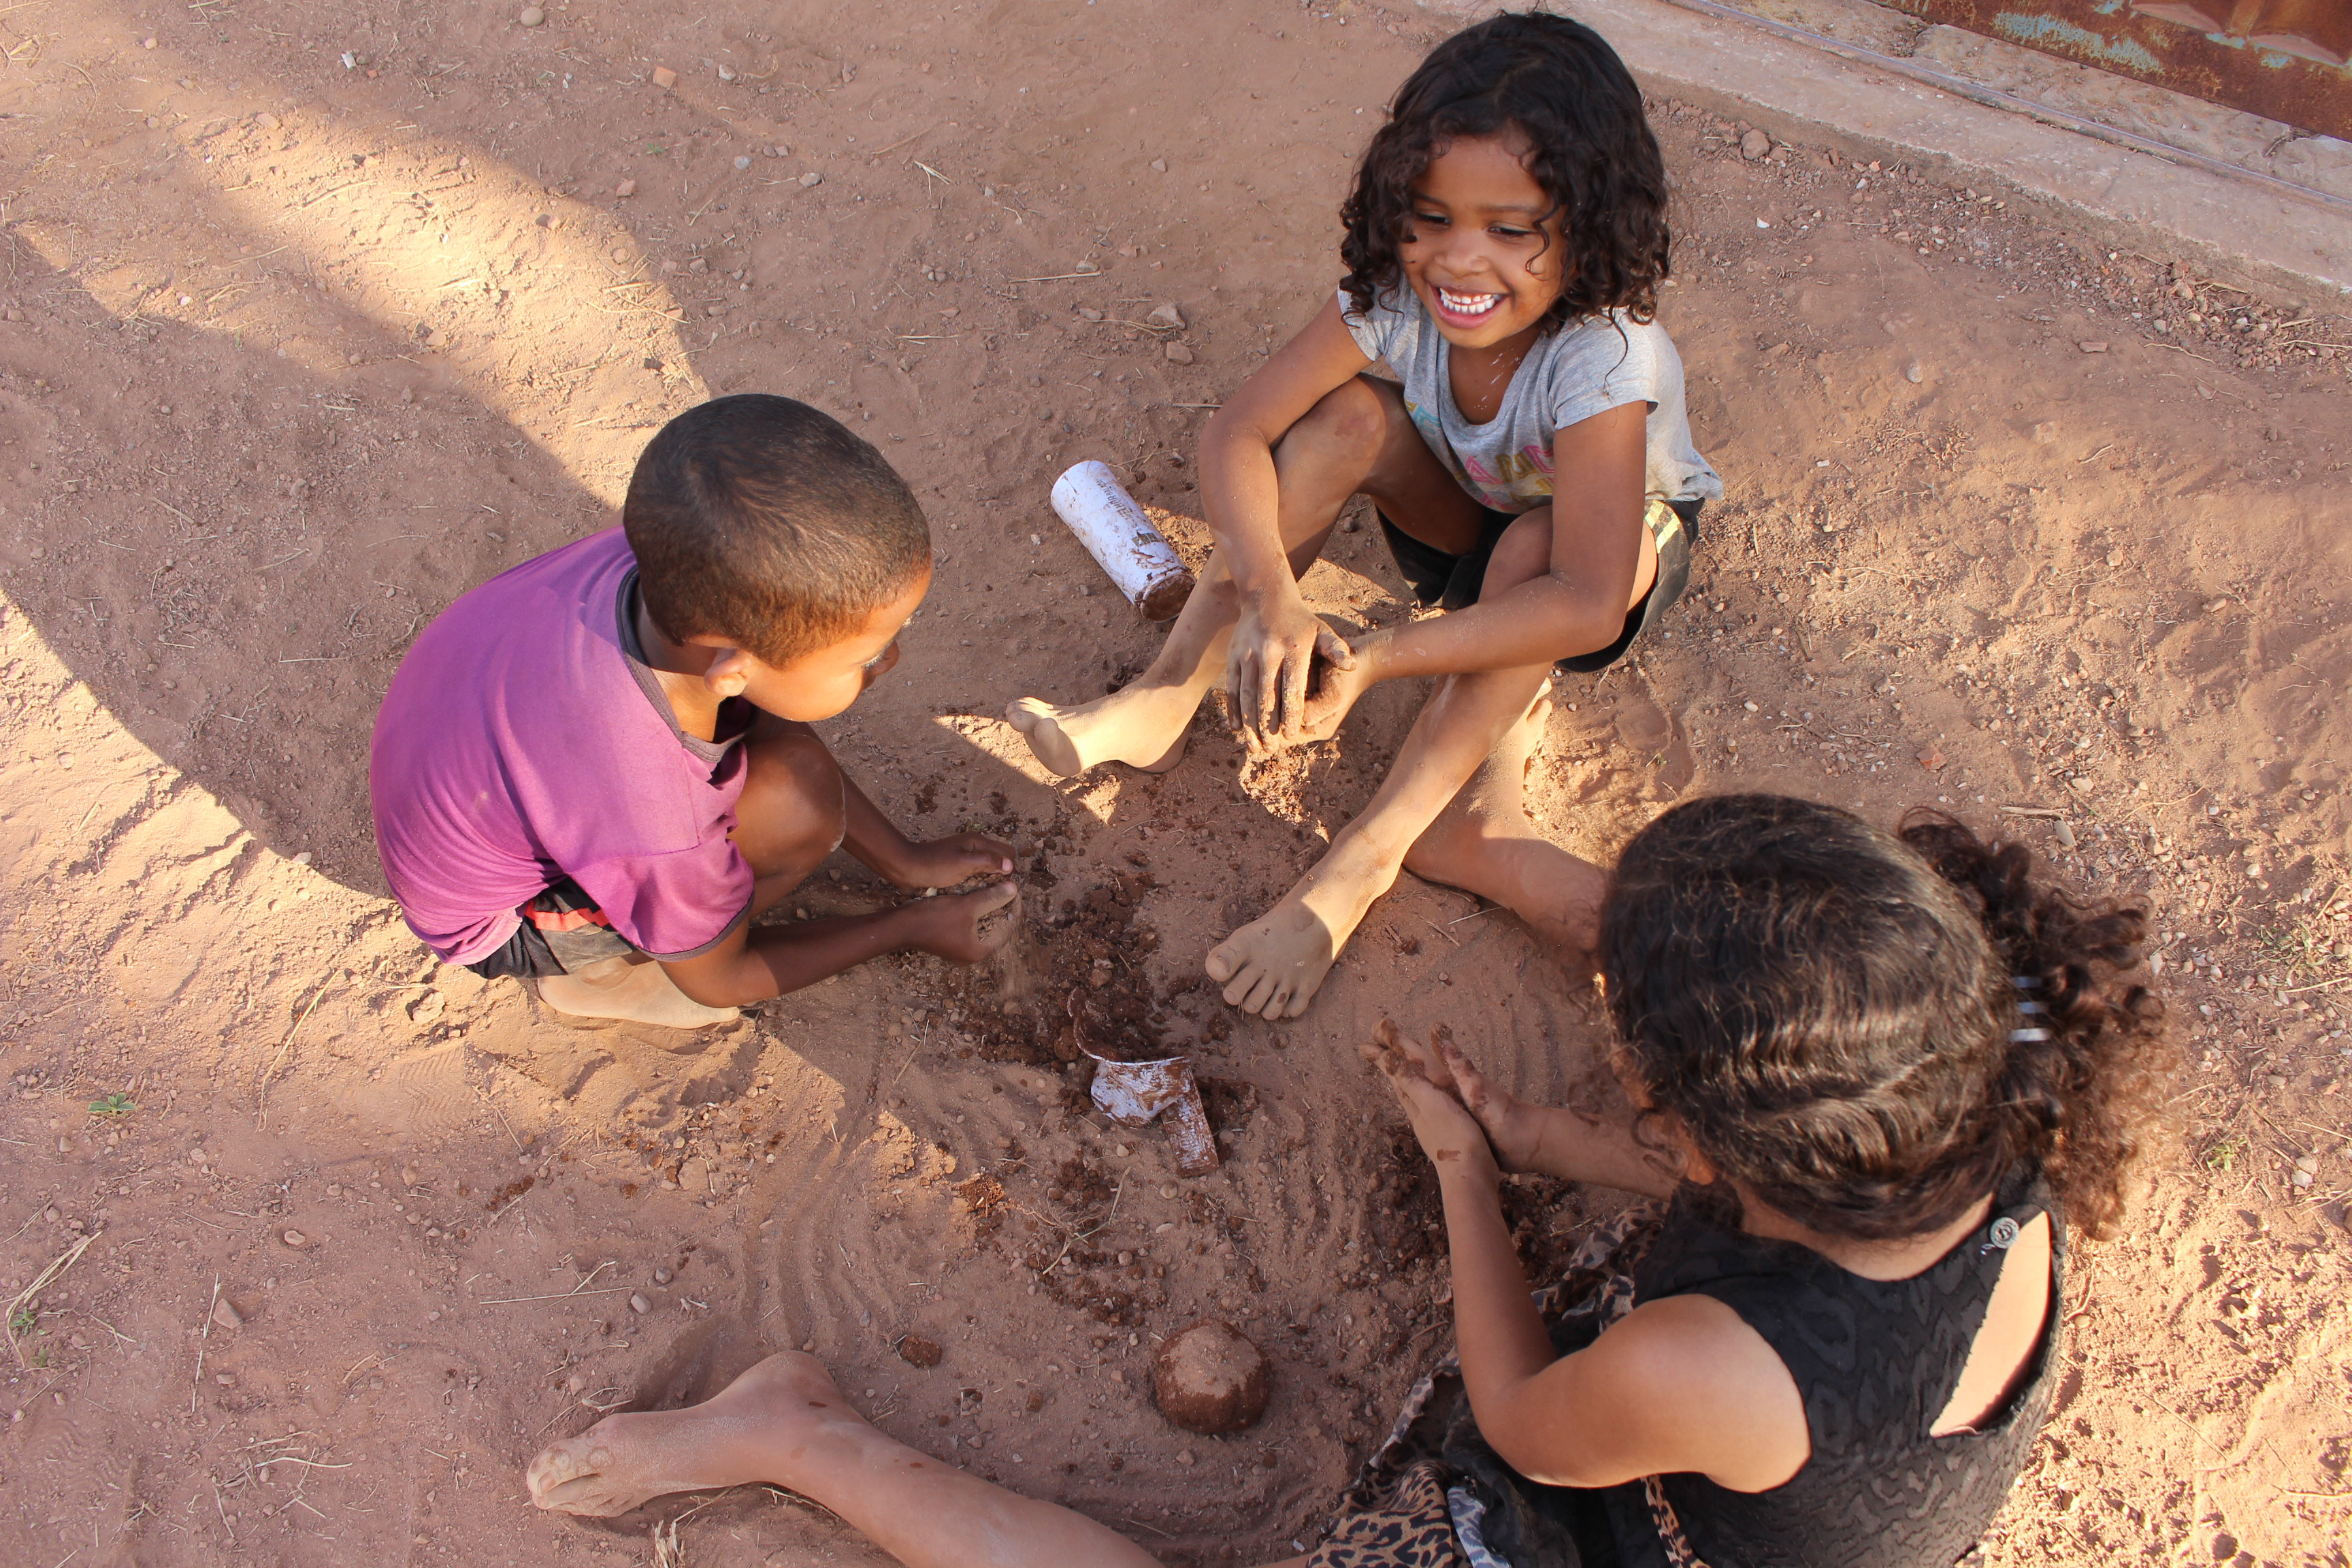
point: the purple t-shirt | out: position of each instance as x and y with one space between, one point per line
525 740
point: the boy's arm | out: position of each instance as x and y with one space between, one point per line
754 964
1598 468
1276 637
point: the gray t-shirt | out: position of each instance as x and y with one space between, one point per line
1583 369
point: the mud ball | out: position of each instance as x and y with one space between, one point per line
915 1351
1211 1379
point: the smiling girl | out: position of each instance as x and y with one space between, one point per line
1532 465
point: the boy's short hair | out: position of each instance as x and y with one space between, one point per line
763 520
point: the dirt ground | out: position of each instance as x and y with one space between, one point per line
310 318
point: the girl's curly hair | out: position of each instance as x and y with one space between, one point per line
1558 84
1833 1012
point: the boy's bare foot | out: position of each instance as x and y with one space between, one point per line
965 928
1274 966
634 990
1142 726
1484 842
748 1432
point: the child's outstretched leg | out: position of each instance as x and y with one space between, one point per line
1357 440
1486 844
784 1424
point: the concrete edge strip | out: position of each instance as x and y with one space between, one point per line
1993 98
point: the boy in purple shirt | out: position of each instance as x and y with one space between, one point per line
593 772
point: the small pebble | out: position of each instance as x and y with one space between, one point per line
2094 348
639 1304
626 188
1753 145
1913 373
227 1316
531 17
811 180
1159 166
743 163
1166 315
661 1276
665 78
726 73
297 1239
1178 354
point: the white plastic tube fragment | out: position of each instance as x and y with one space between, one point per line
1136 556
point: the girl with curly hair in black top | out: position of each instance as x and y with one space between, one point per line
1531 461
1875 1077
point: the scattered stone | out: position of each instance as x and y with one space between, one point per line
639 1304
917 1351
2064 833
2045 434
726 73
2095 347
1089 314
1166 315
665 78
531 17
626 188
1913 373
662 1276
1178 354
1211 1379
295 1239
224 1315
266 121
1753 145
409 1177
811 180
1932 758
743 163
2080 785
1159 166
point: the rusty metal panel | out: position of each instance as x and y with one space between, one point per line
2283 60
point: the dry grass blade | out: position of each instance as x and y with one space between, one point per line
41 1283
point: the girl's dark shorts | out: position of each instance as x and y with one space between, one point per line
562 931
1453 581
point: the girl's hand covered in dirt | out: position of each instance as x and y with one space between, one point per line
1276 643
1449 1134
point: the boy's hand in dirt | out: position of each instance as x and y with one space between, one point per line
1451 1138
944 862
1273 650
965 928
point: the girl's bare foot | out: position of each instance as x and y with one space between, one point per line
748 1432
635 990
1486 844
965 928
1274 966
1142 726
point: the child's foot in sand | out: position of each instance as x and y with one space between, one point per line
1274 966
1486 844
1142 726
633 990
748 1432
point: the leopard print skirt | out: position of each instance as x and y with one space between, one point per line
1411 1528
1408 1510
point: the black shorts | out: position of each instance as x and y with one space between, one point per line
562 931
1453 581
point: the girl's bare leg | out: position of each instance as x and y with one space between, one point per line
1274 966
784 1424
1357 440
1484 842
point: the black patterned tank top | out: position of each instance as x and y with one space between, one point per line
1876 1363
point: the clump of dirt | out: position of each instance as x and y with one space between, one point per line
1075 984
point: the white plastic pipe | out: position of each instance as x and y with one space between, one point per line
1136 556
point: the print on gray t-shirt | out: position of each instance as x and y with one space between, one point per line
1584 368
